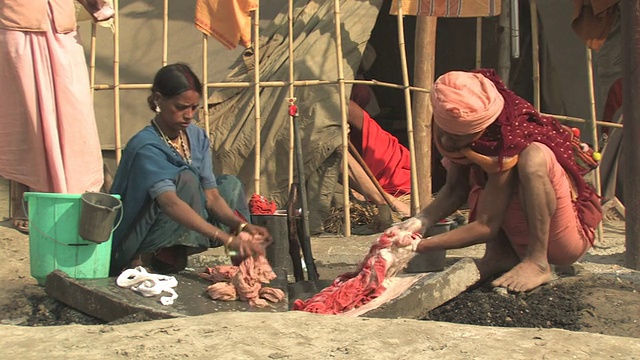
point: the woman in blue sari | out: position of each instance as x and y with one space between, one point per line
171 198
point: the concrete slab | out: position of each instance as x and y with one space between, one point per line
103 299
427 292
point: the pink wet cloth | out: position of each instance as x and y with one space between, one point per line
567 241
243 282
353 289
48 139
388 160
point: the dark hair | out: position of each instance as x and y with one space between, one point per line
172 80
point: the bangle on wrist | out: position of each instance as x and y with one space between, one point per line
241 227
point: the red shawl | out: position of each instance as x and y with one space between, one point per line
519 125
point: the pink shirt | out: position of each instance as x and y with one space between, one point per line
31 15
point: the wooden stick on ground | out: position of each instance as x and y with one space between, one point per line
360 160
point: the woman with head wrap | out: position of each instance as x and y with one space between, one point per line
517 171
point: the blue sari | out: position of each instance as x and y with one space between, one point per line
148 160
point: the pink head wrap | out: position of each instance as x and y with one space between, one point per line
464 102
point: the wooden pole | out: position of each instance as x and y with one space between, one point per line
256 94
535 53
478 42
165 31
116 80
205 83
424 72
594 130
630 20
356 155
291 92
415 192
343 115
504 41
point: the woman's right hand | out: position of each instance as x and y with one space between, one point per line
248 245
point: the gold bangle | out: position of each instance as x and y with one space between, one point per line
228 242
241 227
226 247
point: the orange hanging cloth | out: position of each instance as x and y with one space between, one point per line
229 21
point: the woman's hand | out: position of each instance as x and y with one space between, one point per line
247 244
258 230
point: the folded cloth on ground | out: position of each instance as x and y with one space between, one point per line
148 284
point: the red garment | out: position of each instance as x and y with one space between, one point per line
353 289
260 205
517 127
388 160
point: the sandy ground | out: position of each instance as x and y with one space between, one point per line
295 335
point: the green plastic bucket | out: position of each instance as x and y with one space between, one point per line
54 242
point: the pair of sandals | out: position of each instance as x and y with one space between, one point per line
21 224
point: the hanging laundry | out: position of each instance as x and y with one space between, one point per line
229 21
450 8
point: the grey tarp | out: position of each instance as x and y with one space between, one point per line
232 117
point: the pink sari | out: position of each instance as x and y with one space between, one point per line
48 138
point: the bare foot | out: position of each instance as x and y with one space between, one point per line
489 265
525 276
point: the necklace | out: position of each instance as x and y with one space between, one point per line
174 147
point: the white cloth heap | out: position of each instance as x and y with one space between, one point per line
147 284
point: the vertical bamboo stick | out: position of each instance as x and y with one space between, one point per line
479 43
92 59
415 196
256 91
343 114
291 92
205 83
594 129
535 52
116 80
165 31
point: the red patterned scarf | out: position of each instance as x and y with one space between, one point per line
517 126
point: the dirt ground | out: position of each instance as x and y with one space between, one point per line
602 298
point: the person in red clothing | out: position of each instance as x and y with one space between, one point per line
387 159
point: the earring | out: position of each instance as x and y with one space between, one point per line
157 108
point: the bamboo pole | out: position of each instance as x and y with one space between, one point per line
579 120
256 94
478 43
165 31
535 53
594 130
291 92
205 83
116 80
415 200
92 59
424 72
298 83
343 115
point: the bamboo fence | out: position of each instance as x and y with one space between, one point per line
257 84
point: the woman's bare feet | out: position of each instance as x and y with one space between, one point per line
525 276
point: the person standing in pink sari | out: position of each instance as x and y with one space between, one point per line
48 139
